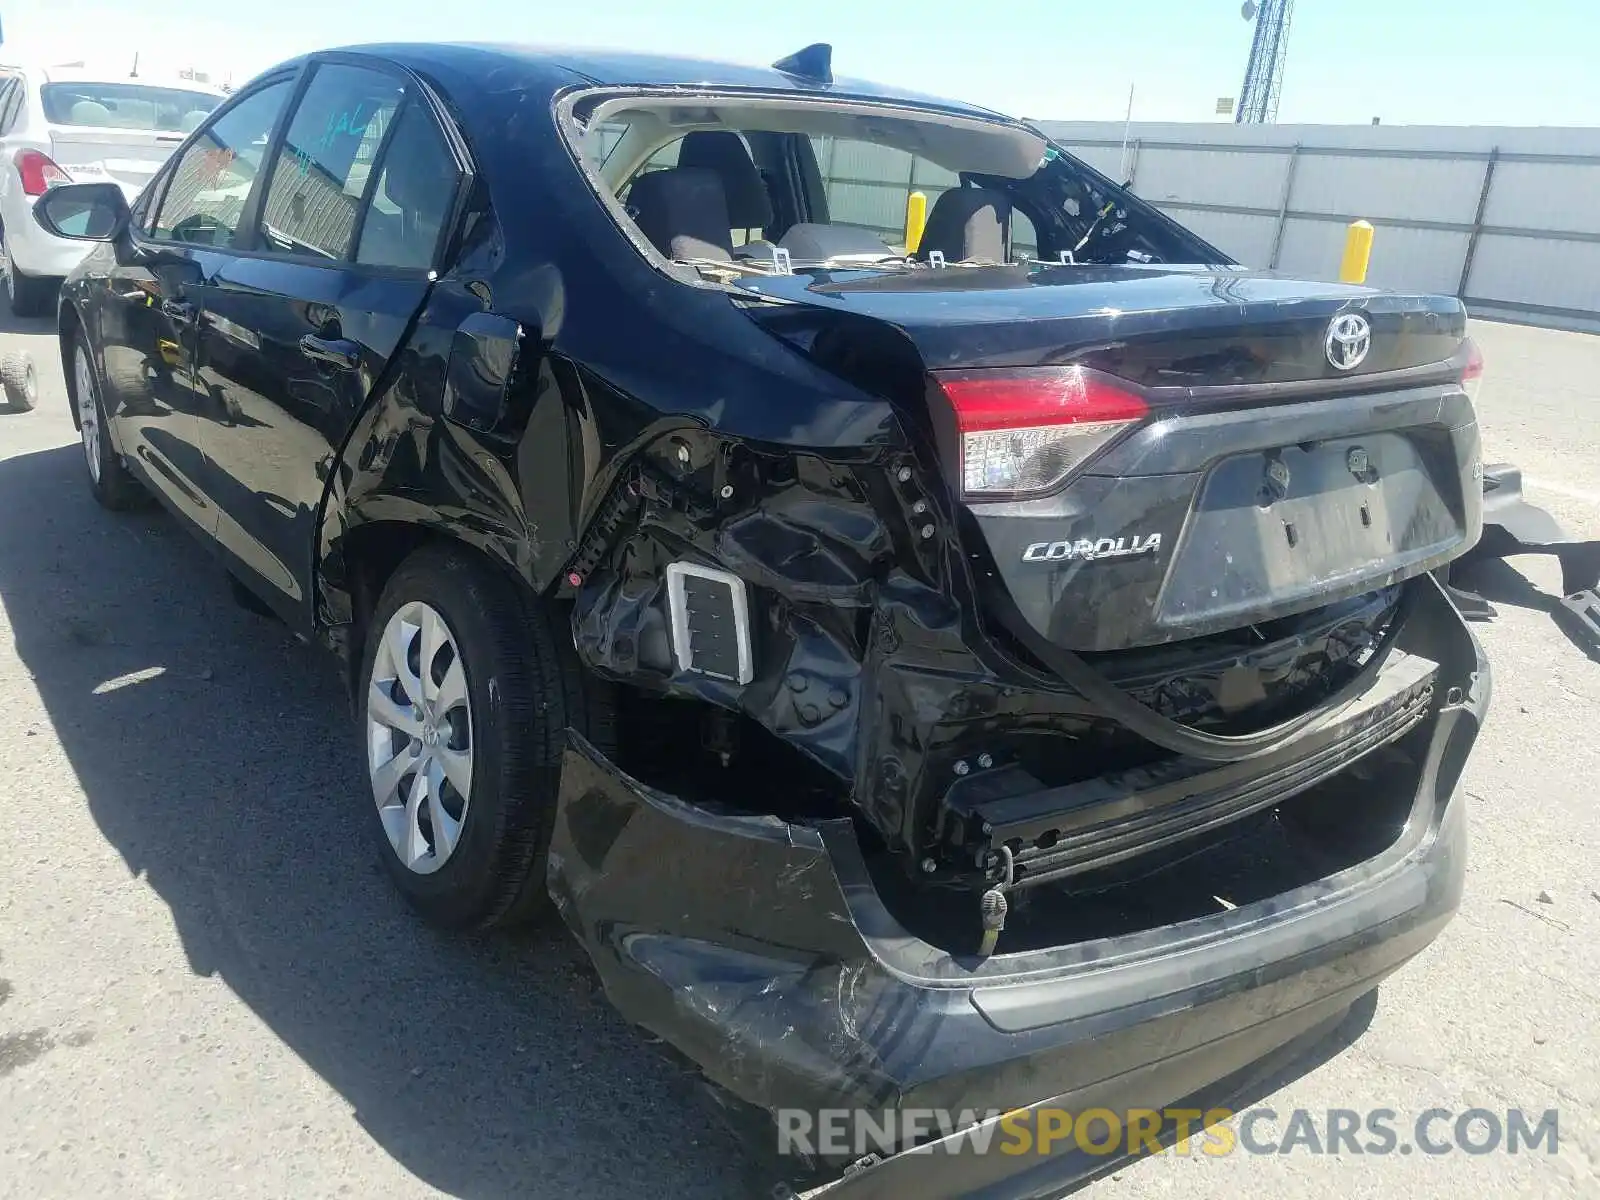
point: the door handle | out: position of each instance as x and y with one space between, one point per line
339 353
179 312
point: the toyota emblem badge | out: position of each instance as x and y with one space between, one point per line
1349 338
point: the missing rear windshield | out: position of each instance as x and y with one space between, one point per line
729 186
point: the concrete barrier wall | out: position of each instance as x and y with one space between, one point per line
1507 219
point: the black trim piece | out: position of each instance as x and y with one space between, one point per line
1139 718
1179 799
1447 371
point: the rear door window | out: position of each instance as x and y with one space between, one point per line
320 176
205 201
411 200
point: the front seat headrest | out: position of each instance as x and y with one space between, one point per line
968 225
683 212
723 151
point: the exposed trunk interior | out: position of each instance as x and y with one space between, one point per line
730 764
720 760
1331 827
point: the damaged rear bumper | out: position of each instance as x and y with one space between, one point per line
761 950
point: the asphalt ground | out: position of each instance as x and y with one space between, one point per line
208 988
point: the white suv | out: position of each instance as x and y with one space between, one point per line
66 125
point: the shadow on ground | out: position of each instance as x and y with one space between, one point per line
219 758
11 323
1498 582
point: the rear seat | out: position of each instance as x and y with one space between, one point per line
683 211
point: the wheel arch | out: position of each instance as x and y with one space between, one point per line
355 565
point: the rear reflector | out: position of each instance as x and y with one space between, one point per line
1025 431
1472 367
38 171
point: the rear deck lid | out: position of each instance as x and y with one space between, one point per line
1148 454
1157 326
1201 521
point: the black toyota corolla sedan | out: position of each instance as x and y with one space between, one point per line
993 664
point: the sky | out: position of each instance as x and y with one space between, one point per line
1408 62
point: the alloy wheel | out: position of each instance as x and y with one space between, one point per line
88 410
419 737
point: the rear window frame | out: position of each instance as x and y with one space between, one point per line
573 132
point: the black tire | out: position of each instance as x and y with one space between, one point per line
525 686
30 295
112 485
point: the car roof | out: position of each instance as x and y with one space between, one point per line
610 68
88 74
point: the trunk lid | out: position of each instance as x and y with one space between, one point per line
1261 477
128 157
1156 326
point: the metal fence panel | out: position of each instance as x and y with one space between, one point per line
1105 159
1539 195
1525 272
1508 219
1392 188
1209 177
1244 237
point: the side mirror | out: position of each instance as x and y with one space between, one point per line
83 212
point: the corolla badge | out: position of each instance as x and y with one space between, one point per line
1349 338
1093 549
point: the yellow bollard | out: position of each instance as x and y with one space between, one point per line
1357 253
916 220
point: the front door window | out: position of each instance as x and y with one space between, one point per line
211 182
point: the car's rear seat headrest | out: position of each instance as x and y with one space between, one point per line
815 243
683 211
90 112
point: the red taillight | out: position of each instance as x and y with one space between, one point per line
1472 367
39 172
1026 430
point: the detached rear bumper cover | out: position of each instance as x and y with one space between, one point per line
760 950
1513 526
